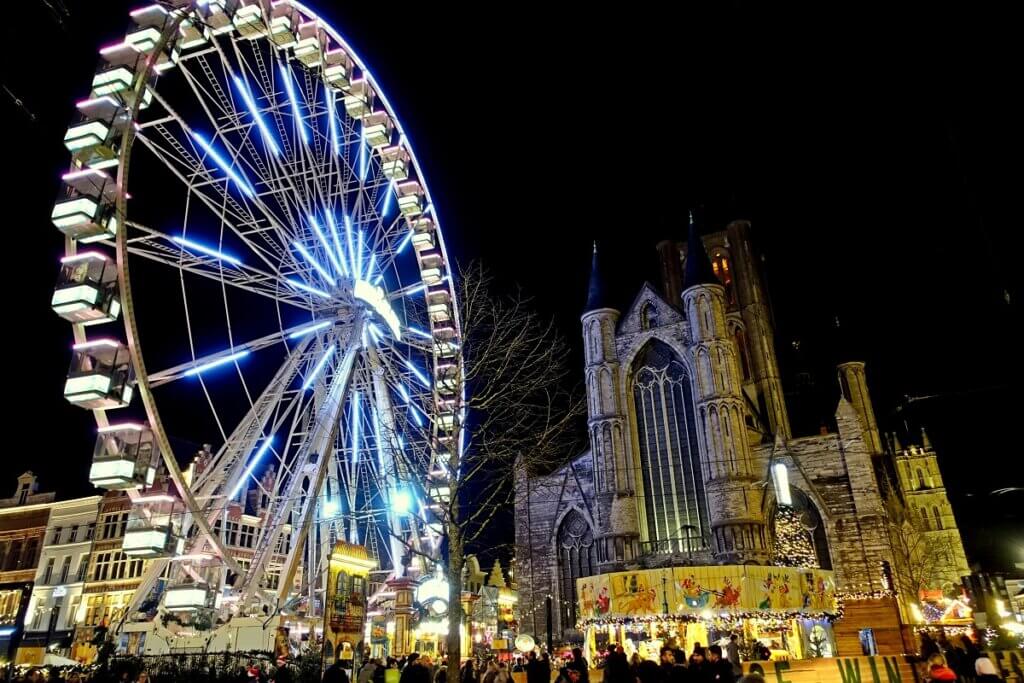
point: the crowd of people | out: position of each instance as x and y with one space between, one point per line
958 660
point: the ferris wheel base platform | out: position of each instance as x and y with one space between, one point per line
241 634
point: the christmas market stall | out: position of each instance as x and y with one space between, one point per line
788 610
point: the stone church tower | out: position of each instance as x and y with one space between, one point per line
617 531
734 501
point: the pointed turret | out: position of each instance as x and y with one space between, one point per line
698 263
596 297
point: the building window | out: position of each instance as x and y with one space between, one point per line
112 525
13 560
648 316
920 479
925 524
673 485
83 565
740 338
48 572
56 535
65 569
938 517
31 552
115 566
248 536
576 559
231 537
73 536
723 271
71 618
90 531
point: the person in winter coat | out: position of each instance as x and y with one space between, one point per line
719 669
616 668
938 670
537 669
579 664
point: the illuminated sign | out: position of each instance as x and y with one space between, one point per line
376 299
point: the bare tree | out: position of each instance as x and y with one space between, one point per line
922 560
521 408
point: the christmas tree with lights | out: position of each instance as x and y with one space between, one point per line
793 544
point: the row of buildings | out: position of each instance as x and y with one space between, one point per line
63 574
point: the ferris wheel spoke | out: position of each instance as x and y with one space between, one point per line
314 446
201 364
205 261
243 223
254 198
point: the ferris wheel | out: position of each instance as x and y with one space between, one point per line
277 262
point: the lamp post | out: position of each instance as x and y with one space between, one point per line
664 591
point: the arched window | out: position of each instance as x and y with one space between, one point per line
920 479
798 533
674 502
648 316
740 337
576 559
723 271
925 524
938 517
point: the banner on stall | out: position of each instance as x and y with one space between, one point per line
877 669
722 590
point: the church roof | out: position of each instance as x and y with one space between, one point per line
698 264
597 296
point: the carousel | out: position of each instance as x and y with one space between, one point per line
787 610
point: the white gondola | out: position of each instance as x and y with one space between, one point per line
86 291
309 48
217 15
377 129
116 76
125 457
192 35
438 294
430 258
189 597
422 240
359 99
394 162
85 211
94 139
150 22
154 527
431 276
337 68
410 198
101 375
249 21
284 22
446 377
439 312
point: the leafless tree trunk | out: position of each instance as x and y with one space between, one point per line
521 409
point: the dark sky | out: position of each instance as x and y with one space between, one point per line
878 157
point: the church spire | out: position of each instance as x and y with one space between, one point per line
596 293
698 264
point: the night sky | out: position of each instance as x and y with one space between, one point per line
878 158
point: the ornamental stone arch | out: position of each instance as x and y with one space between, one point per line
806 500
574 550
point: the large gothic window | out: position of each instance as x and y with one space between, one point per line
576 559
675 505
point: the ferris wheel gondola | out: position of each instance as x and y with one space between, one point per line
282 279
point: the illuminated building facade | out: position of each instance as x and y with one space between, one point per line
693 462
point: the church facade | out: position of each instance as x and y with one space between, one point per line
693 463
